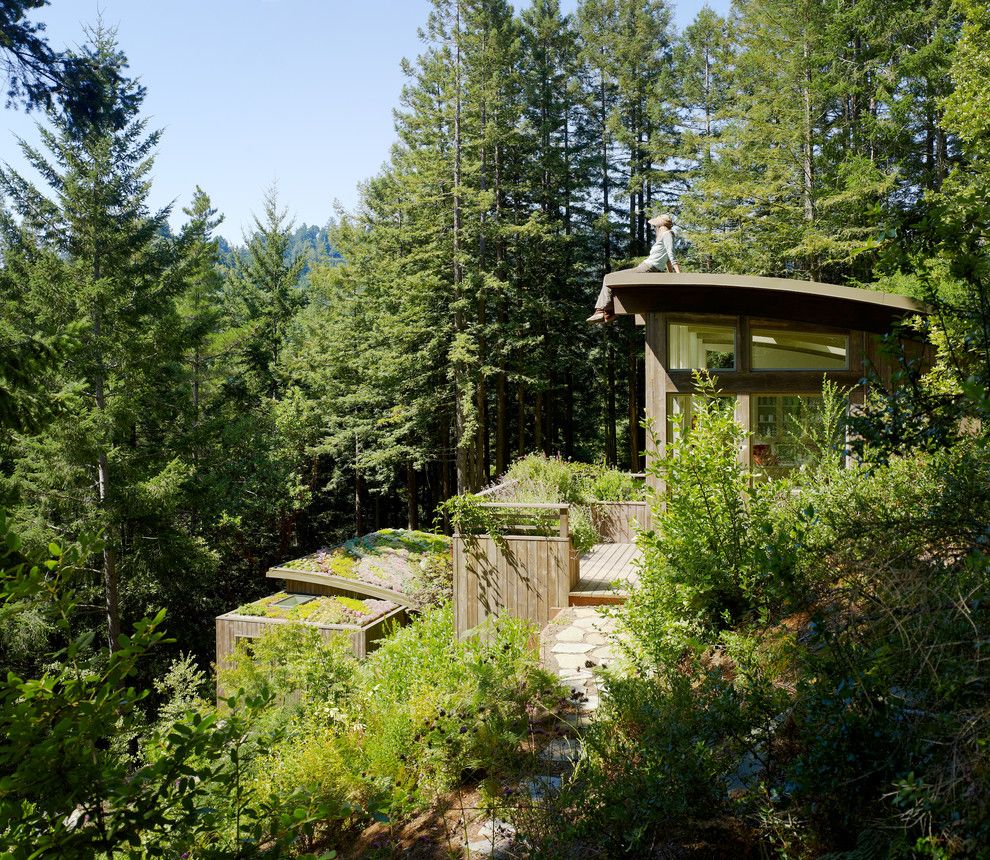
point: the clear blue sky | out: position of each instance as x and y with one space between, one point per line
254 91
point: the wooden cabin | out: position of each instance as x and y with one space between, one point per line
362 589
770 342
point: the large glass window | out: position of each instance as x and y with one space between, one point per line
692 346
778 349
780 428
681 409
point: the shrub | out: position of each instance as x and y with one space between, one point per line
721 548
390 733
435 706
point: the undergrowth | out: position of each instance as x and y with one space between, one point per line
350 742
809 662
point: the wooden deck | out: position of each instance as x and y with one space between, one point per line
607 570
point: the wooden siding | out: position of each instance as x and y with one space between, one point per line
616 521
744 382
527 577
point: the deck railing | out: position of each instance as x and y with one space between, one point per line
616 522
523 561
526 566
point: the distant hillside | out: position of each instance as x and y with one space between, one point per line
309 241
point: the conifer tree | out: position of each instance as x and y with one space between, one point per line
97 260
703 60
264 295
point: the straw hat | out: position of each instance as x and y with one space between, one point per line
665 220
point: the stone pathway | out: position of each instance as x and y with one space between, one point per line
578 641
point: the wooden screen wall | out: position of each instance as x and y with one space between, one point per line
527 577
616 521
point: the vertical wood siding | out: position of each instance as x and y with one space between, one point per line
527 577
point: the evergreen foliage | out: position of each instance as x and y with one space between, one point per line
209 411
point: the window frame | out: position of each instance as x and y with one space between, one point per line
710 321
753 429
807 329
669 435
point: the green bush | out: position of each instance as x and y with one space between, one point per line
656 756
552 479
829 629
387 735
721 548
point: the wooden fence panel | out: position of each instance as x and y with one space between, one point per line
524 576
616 521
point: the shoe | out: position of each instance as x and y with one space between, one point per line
599 316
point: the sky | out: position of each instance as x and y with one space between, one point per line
255 92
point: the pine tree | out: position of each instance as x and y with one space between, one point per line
98 261
264 296
703 61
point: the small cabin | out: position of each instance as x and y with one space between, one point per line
770 342
362 589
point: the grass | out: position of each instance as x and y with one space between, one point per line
412 563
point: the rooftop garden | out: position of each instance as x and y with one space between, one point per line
318 609
413 563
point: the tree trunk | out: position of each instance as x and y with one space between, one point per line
412 497
521 419
501 422
463 446
607 249
430 500
538 422
808 155
569 415
482 454
610 445
633 406
111 584
358 506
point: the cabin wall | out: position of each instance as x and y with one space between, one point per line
232 628
863 352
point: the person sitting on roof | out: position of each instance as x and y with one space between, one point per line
661 259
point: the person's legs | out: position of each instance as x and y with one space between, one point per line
603 307
604 299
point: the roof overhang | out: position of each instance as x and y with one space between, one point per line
771 298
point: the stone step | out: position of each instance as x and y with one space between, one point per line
562 750
498 828
542 786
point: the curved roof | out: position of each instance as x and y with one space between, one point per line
774 298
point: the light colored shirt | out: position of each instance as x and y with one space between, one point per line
661 252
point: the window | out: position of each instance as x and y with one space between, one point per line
293 600
681 410
777 430
778 349
692 346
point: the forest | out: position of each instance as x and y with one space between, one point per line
179 413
